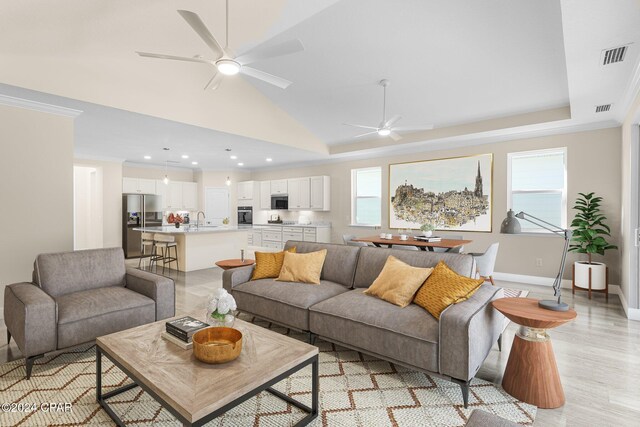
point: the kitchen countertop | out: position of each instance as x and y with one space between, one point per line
171 229
312 225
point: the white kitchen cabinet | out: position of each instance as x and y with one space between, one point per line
162 190
320 189
189 195
138 185
256 237
279 186
174 195
245 190
299 193
265 195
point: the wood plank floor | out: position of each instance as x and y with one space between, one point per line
598 354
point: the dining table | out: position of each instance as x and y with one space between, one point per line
423 245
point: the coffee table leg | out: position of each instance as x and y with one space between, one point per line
98 374
315 387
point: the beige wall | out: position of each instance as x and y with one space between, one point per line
593 165
36 189
111 173
175 174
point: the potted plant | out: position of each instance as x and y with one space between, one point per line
427 229
589 237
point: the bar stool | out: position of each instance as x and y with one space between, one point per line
147 244
165 243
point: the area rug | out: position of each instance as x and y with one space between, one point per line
355 390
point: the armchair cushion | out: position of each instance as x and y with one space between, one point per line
159 288
85 315
30 316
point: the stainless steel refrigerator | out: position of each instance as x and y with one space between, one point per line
138 210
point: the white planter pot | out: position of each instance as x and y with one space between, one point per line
598 275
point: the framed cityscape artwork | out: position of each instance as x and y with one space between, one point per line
452 194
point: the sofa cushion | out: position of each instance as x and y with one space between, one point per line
66 272
408 335
398 282
340 263
85 315
269 264
372 260
286 303
305 268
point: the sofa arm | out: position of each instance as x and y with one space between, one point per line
468 330
159 288
235 276
31 318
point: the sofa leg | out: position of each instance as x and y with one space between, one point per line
29 363
500 343
464 386
312 338
8 337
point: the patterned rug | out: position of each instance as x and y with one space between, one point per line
355 390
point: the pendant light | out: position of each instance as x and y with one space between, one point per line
166 173
228 182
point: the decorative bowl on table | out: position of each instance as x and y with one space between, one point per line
217 345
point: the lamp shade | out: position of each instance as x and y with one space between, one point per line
510 225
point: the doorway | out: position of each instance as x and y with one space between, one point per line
87 208
216 207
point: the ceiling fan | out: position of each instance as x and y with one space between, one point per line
225 62
386 127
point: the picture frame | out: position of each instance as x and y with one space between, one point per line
452 194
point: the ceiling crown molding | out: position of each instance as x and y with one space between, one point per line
12 101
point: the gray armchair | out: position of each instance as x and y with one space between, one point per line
77 296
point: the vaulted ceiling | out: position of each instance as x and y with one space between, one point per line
477 71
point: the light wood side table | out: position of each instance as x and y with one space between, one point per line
531 374
226 264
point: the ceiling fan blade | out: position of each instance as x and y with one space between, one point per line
198 26
361 126
214 82
265 77
395 136
391 121
412 128
260 53
365 134
177 58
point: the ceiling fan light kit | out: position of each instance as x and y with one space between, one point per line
228 67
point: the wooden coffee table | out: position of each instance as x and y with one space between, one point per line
531 374
227 264
195 392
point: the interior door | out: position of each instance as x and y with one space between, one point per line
216 206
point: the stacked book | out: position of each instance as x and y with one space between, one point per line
180 331
429 239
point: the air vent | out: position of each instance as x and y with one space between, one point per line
611 56
603 108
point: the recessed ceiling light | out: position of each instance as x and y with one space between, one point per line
194 163
240 164
269 159
147 157
184 156
233 157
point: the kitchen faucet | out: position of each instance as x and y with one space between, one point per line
198 219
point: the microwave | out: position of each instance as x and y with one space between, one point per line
280 202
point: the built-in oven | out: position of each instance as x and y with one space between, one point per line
280 202
245 215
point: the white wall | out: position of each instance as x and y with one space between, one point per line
87 208
593 165
36 189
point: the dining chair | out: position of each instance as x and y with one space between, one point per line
486 262
452 250
348 240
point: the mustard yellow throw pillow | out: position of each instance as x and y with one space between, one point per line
443 288
305 268
398 282
268 264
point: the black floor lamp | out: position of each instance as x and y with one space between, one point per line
511 225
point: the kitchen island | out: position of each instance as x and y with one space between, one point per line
200 247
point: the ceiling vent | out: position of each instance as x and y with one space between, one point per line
603 108
611 56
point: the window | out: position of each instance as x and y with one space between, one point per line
537 185
366 205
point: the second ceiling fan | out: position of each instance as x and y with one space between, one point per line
225 62
386 127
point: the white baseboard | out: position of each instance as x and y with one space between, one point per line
632 313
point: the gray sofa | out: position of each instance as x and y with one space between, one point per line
337 310
77 296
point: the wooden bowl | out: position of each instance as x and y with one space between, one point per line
217 345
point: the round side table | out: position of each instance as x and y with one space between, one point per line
227 264
531 374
